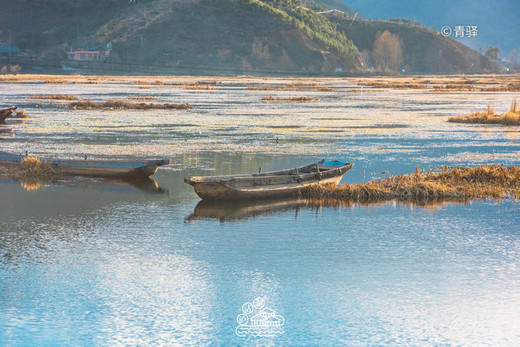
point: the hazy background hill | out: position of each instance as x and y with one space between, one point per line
228 36
497 20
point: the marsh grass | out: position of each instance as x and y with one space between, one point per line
290 99
32 172
194 84
294 86
200 87
301 84
21 114
325 89
455 87
123 105
447 184
489 116
268 88
53 97
511 87
32 168
142 98
394 85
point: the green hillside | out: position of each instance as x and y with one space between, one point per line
423 50
214 36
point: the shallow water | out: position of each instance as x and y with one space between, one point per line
109 263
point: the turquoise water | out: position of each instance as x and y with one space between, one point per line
106 263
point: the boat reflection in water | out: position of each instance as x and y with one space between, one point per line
238 210
147 185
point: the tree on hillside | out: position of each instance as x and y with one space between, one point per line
492 53
513 60
387 53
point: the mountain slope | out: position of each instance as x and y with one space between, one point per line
497 20
211 34
423 50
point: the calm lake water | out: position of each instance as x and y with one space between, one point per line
95 262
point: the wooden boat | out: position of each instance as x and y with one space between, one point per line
274 184
93 168
5 113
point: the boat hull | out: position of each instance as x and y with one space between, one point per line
279 184
92 168
219 191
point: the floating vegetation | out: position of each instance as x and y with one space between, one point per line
143 98
53 97
325 89
267 88
182 83
295 86
32 172
32 168
488 116
511 87
461 87
21 114
295 99
123 105
55 81
200 87
447 184
394 85
301 84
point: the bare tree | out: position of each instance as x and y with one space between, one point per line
387 53
513 63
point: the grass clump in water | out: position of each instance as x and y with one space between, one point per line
142 98
295 99
21 114
447 184
123 105
32 168
53 97
325 89
489 116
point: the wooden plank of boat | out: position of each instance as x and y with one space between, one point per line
274 184
93 168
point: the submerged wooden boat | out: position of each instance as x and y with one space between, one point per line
92 168
266 185
6 113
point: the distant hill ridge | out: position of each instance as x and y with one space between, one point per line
233 35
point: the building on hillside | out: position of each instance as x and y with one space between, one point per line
7 51
88 52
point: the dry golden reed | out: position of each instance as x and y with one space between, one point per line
53 97
325 89
489 116
21 114
123 105
142 98
447 184
32 168
294 99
